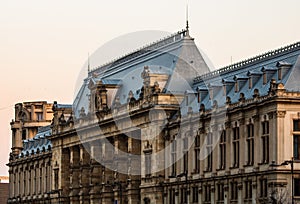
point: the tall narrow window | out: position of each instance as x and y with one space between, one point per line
296 129
35 181
183 195
221 192
29 181
248 189
172 195
195 195
297 187
185 155
209 152
236 147
296 125
207 192
56 179
250 144
148 164
41 181
263 188
234 190
24 182
173 155
265 142
297 147
223 150
46 179
24 135
197 153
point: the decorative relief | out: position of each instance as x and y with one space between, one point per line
280 114
271 115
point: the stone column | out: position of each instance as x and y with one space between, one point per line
240 192
74 174
65 174
85 176
95 172
134 147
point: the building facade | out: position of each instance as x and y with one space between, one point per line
156 126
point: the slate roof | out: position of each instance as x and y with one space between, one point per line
271 62
174 54
177 56
39 143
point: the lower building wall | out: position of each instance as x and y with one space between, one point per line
4 192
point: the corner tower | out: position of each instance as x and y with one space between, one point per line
28 117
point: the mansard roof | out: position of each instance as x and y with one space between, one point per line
174 54
270 64
39 143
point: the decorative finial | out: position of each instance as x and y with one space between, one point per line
187 18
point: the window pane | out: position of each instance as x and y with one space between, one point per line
296 125
297 187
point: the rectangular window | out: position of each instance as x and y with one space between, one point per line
263 188
39 116
209 152
29 182
297 147
183 195
197 153
56 179
221 192
185 155
296 125
207 192
250 144
248 189
147 165
172 195
234 190
195 195
297 187
265 126
223 150
41 183
236 147
24 183
24 135
173 157
265 142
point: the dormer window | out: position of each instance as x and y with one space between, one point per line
283 68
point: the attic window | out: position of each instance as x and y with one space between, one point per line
236 86
264 78
250 83
187 100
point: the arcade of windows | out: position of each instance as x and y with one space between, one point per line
235 145
235 148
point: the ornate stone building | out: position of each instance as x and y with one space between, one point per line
156 126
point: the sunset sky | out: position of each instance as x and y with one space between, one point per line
44 44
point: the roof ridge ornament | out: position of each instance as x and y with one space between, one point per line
187 18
